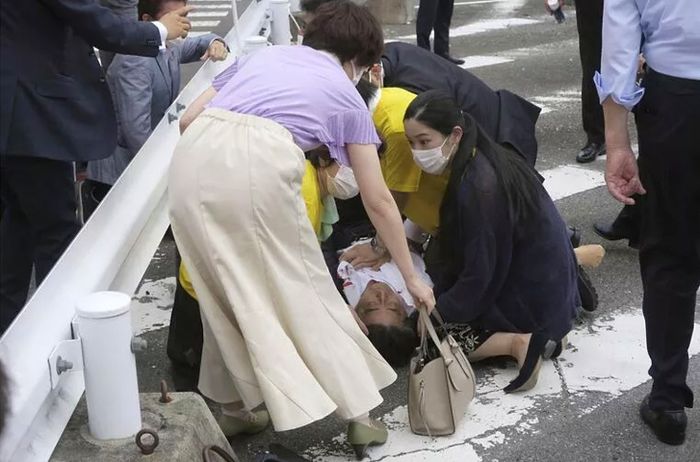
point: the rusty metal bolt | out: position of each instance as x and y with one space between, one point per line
164 397
219 451
147 448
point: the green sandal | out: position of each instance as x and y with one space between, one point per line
361 436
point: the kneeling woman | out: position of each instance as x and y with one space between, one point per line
503 263
275 328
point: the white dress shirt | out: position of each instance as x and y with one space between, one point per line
669 34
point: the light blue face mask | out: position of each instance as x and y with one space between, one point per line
328 218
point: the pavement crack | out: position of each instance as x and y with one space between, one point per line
416 451
562 378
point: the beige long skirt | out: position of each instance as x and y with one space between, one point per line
276 329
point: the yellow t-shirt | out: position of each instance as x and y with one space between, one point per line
311 193
400 172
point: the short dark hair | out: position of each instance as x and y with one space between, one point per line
310 6
348 31
153 7
396 344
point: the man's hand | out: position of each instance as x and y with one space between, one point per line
176 22
549 10
422 293
622 175
216 52
363 256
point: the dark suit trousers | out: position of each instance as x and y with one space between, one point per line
434 15
667 119
589 21
37 224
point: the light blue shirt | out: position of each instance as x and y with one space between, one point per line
671 44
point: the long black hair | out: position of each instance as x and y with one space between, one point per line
439 111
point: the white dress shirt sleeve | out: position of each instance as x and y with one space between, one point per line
163 33
622 35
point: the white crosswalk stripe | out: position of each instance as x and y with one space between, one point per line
207 15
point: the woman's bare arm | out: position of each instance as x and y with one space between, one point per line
196 108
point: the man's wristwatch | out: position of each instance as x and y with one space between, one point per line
377 248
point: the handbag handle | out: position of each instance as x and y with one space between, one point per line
428 324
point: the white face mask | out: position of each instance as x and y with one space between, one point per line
343 185
434 160
357 73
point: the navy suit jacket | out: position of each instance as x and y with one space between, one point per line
54 99
504 116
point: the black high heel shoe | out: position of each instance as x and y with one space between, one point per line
529 372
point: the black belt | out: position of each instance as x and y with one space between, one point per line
677 82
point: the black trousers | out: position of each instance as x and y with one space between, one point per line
667 119
434 15
589 21
38 222
629 221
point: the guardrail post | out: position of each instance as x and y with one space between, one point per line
280 33
111 388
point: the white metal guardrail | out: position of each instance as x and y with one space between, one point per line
111 252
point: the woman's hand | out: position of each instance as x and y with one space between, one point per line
364 256
422 293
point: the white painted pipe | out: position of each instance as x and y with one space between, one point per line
111 388
254 43
280 33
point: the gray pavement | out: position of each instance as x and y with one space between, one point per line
585 407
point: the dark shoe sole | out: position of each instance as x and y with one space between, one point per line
586 291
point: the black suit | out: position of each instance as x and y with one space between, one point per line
507 118
434 15
55 108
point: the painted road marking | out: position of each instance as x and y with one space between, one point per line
204 23
482 26
471 62
208 14
567 180
197 33
225 7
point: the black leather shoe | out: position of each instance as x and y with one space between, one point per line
456 61
590 152
669 426
611 232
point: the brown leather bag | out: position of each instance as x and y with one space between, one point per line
439 387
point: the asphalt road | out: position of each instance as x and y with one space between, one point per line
585 406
